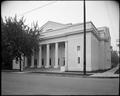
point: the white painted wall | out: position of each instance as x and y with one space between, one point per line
101 55
107 55
88 51
94 52
73 53
104 47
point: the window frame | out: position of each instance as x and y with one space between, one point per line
78 48
78 60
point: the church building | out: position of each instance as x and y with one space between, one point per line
61 46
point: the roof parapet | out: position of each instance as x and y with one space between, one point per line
104 33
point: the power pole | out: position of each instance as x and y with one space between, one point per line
84 54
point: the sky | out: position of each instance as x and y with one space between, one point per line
101 13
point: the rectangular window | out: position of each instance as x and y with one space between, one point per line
78 48
78 60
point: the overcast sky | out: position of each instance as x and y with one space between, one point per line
101 13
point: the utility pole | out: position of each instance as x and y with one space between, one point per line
84 54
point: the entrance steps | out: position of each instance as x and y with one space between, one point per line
42 69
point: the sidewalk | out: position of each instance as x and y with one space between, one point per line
109 73
56 72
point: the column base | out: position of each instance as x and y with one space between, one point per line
55 66
31 66
39 66
47 66
25 66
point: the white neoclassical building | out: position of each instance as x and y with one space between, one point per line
61 46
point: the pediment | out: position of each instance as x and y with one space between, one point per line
50 25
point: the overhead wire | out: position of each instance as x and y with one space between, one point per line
37 8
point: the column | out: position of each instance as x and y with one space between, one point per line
47 57
40 57
32 60
56 55
22 62
25 58
66 55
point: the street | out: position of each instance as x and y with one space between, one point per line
14 83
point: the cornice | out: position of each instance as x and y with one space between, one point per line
78 24
72 33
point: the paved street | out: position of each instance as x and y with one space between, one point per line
15 83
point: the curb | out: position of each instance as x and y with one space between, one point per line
71 74
65 74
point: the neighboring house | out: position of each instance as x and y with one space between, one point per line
61 46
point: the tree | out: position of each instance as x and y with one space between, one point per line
114 58
18 39
6 47
34 33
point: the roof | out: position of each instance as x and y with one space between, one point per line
50 25
52 29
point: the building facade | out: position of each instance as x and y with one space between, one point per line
61 46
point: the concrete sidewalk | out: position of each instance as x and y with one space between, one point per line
106 74
109 73
88 75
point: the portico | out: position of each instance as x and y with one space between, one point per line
52 55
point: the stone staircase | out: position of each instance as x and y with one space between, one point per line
42 69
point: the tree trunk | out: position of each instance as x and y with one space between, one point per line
20 63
